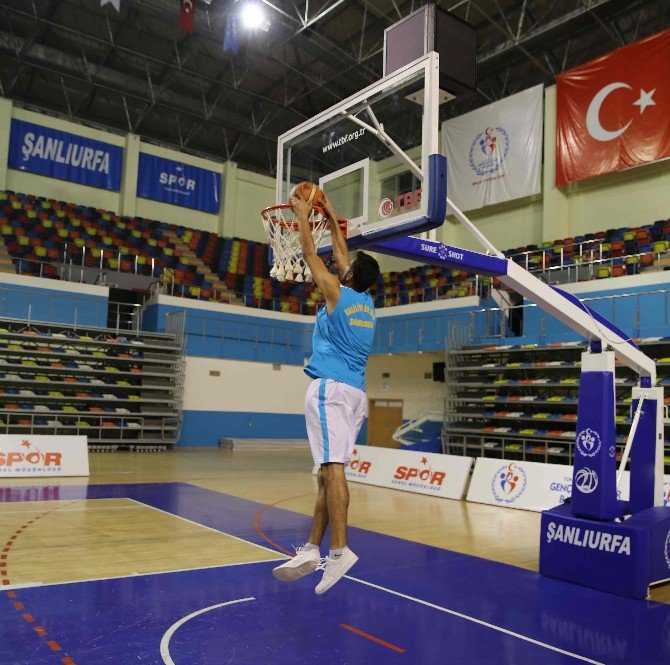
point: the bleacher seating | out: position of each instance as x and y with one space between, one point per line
39 233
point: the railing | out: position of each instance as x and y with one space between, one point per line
493 321
584 267
44 307
124 316
592 249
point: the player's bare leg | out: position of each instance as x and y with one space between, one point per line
320 521
340 558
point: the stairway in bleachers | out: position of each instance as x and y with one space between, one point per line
210 280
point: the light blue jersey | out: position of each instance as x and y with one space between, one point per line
342 340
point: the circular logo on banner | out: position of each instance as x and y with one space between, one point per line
385 208
588 442
586 480
666 550
508 483
489 150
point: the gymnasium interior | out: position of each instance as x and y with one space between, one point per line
154 462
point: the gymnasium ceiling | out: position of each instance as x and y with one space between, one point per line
136 71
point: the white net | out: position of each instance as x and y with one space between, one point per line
281 229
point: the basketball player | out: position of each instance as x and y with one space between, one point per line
335 405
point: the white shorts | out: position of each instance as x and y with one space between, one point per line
334 413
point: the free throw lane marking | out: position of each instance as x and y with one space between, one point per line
165 642
384 643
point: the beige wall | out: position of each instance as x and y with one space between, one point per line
633 197
406 381
246 194
628 198
243 386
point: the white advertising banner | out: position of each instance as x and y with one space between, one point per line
424 473
494 154
38 456
530 485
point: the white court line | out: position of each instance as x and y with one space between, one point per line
467 617
30 585
353 579
165 642
209 528
66 510
460 615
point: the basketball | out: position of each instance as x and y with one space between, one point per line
309 192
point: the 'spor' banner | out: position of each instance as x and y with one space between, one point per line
424 473
65 156
614 112
178 183
39 456
495 153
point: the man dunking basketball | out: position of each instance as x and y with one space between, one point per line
335 405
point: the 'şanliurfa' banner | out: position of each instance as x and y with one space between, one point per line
495 153
612 112
177 183
57 154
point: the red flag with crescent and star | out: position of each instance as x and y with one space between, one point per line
614 112
187 15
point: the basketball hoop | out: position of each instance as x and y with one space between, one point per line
283 233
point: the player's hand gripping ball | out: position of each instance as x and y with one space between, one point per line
308 192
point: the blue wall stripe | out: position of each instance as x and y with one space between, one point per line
324 421
205 428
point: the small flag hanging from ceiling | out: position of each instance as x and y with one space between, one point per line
115 3
187 15
231 40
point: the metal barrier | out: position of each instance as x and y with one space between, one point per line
494 320
590 260
124 316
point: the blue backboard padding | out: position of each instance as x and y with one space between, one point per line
439 254
597 317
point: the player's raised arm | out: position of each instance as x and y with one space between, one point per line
329 284
340 250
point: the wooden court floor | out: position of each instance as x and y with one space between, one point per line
67 540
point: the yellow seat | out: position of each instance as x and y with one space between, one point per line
47 224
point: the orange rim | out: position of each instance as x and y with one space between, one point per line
266 214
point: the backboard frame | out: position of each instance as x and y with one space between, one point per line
432 171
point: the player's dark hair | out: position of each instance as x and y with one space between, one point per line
365 271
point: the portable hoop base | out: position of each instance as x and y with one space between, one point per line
283 233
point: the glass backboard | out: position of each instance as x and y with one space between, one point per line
376 157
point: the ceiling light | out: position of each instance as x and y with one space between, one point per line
253 15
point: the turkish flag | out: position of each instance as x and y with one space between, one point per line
614 112
187 15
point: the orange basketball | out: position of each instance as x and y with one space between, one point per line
309 192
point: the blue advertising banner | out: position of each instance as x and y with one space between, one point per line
177 183
65 156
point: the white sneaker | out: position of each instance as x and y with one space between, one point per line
334 569
303 563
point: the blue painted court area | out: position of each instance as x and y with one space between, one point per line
405 603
